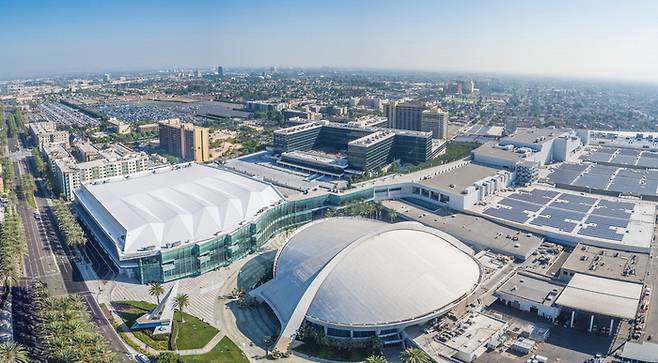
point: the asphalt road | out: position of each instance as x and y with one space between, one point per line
49 259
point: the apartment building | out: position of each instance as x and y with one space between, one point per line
184 140
116 160
45 133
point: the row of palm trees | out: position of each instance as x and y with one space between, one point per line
181 301
65 332
409 355
68 225
13 246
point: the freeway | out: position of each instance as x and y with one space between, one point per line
50 260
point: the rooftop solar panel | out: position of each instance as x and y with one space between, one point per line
514 215
553 222
571 202
592 181
607 221
601 232
517 204
629 152
624 159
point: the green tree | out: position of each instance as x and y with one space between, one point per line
181 301
37 161
268 341
375 359
11 352
65 332
68 225
156 289
414 355
169 357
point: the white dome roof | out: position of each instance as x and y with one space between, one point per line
358 273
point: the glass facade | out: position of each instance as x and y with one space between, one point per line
202 257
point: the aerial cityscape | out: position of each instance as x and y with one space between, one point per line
340 181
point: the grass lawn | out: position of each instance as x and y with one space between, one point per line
224 352
192 334
129 313
351 355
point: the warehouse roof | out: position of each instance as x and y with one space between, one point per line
167 208
601 296
640 352
460 178
532 287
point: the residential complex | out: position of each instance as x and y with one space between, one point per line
69 174
46 133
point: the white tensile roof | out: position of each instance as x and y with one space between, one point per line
355 272
161 209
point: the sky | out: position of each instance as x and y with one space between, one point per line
575 38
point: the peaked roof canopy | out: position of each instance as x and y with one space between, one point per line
164 209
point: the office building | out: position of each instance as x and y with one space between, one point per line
454 88
184 140
367 147
261 106
220 71
436 121
405 116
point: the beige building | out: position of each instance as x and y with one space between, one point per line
404 116
184 140
46 133
114 161
435 120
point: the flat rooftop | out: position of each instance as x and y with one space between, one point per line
467 335
490 149
298 128
460 178
477 232
373 138
532 287
625 139
601 296
608 263
533 136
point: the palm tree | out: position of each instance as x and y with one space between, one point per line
375 359
156 289
414 355
267 340
181 301
11 352
392 215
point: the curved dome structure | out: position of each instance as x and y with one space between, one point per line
352 274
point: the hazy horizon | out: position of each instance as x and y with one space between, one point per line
574 39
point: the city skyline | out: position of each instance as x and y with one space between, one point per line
584 39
